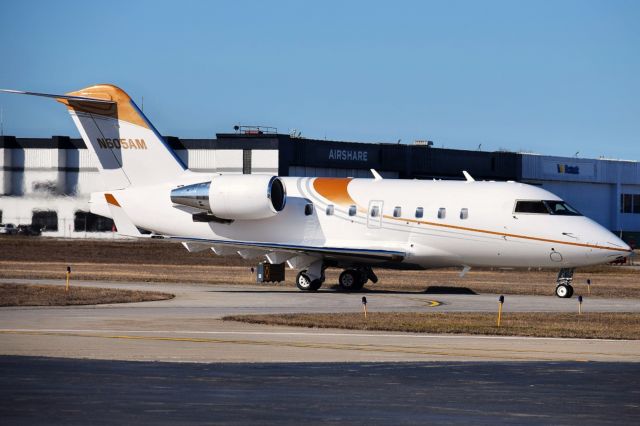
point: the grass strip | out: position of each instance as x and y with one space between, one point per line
590 325
50 295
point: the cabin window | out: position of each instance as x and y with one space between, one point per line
464 213
397 211
442 213
352 210
329 210
308 209
375 211
419 212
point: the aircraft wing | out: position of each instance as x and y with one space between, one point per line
250 249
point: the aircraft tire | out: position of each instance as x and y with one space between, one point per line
351 280
316 284
564 291
305 283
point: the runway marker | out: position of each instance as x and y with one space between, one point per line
68 277
500 303
579 305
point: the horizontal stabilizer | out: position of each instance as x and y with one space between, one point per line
123 223
67 97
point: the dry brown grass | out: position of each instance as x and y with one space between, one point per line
129 272
47 295
588 325
160 261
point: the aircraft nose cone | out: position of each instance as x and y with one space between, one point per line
617 244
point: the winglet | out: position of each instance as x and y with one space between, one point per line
376 175
123 223
467 176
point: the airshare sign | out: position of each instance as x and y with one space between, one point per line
122 143
348 155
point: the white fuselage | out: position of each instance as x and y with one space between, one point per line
487 233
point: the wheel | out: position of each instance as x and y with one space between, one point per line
316 284
363 278
351 280
564 290
305 283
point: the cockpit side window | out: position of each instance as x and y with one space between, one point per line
553 207
531 207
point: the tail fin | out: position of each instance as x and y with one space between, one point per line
129 150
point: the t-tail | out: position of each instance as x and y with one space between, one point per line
129 150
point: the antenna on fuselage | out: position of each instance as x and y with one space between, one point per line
376 175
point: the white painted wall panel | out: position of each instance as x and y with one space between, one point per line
228 160
85 160
198 159
83 183
5 175
264 161
40 158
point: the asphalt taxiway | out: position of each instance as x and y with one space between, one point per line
189 329
72 391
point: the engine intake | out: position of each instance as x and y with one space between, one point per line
235 197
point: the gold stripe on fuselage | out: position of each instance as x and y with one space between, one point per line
336 191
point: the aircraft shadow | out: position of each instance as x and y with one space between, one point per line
335 289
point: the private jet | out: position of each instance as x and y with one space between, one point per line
311 223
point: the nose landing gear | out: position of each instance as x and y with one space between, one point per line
305 283
311 279
563 287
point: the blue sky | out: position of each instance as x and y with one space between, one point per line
552 77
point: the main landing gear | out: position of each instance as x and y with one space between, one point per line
355 279
564 288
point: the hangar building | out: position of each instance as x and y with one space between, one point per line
47 181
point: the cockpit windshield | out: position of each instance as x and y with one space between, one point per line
561 208
552 207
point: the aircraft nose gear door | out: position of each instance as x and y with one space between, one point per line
374 214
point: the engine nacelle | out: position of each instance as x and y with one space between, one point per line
235 197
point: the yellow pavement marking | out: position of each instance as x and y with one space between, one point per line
429 303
